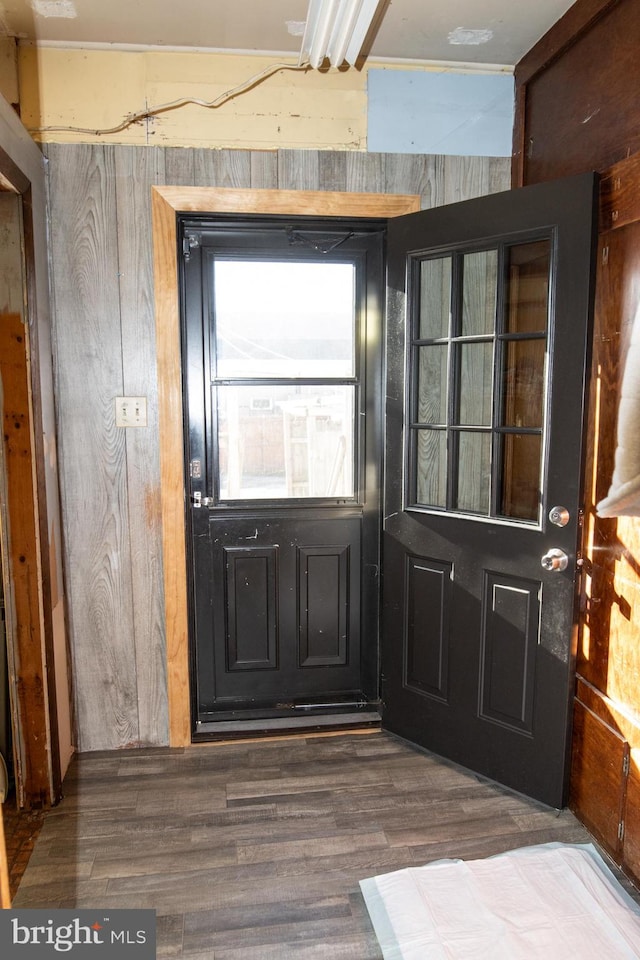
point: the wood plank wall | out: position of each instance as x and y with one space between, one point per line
104 346
577 111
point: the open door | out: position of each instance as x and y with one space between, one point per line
488 331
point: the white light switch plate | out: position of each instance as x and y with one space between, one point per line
131 411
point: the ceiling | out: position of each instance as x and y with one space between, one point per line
465 31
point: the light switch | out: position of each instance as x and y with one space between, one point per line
131 411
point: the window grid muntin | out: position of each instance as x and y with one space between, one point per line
500 338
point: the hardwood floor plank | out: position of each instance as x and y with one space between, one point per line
276 830
198 926
50 871
318 847
269 933
179 861
367 862
90 848
453 830
354 948
55 893
169 935
254 851
477 848
292 785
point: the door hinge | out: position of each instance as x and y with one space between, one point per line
626 765
621 830
605 256
189 244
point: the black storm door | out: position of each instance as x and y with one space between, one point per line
282 363
488 322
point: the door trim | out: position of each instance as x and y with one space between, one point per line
166 202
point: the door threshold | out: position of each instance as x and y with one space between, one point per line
232 729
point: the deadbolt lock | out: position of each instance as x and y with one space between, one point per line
559 516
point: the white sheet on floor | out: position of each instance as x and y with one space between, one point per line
548 902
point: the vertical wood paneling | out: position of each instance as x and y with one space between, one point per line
222 168
499 174
179 166
264 169
137 168
465 177
105 347
332 170
92 452
365 172
412 173
298 170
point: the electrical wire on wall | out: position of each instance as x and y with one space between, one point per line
149 112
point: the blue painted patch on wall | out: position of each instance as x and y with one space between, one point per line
461 114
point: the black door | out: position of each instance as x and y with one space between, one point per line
488 320
282 363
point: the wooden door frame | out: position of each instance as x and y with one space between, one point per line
166 203
27 506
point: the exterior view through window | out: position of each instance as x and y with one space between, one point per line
284 379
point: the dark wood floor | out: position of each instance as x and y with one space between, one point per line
254 851
21 831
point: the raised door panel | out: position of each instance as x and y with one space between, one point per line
426 633
324 600
510 636
251 605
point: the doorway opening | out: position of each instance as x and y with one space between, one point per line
282 379
167 203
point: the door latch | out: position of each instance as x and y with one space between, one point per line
199 501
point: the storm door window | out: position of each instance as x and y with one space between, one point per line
478 373
285 389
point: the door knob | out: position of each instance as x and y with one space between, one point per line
555 559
